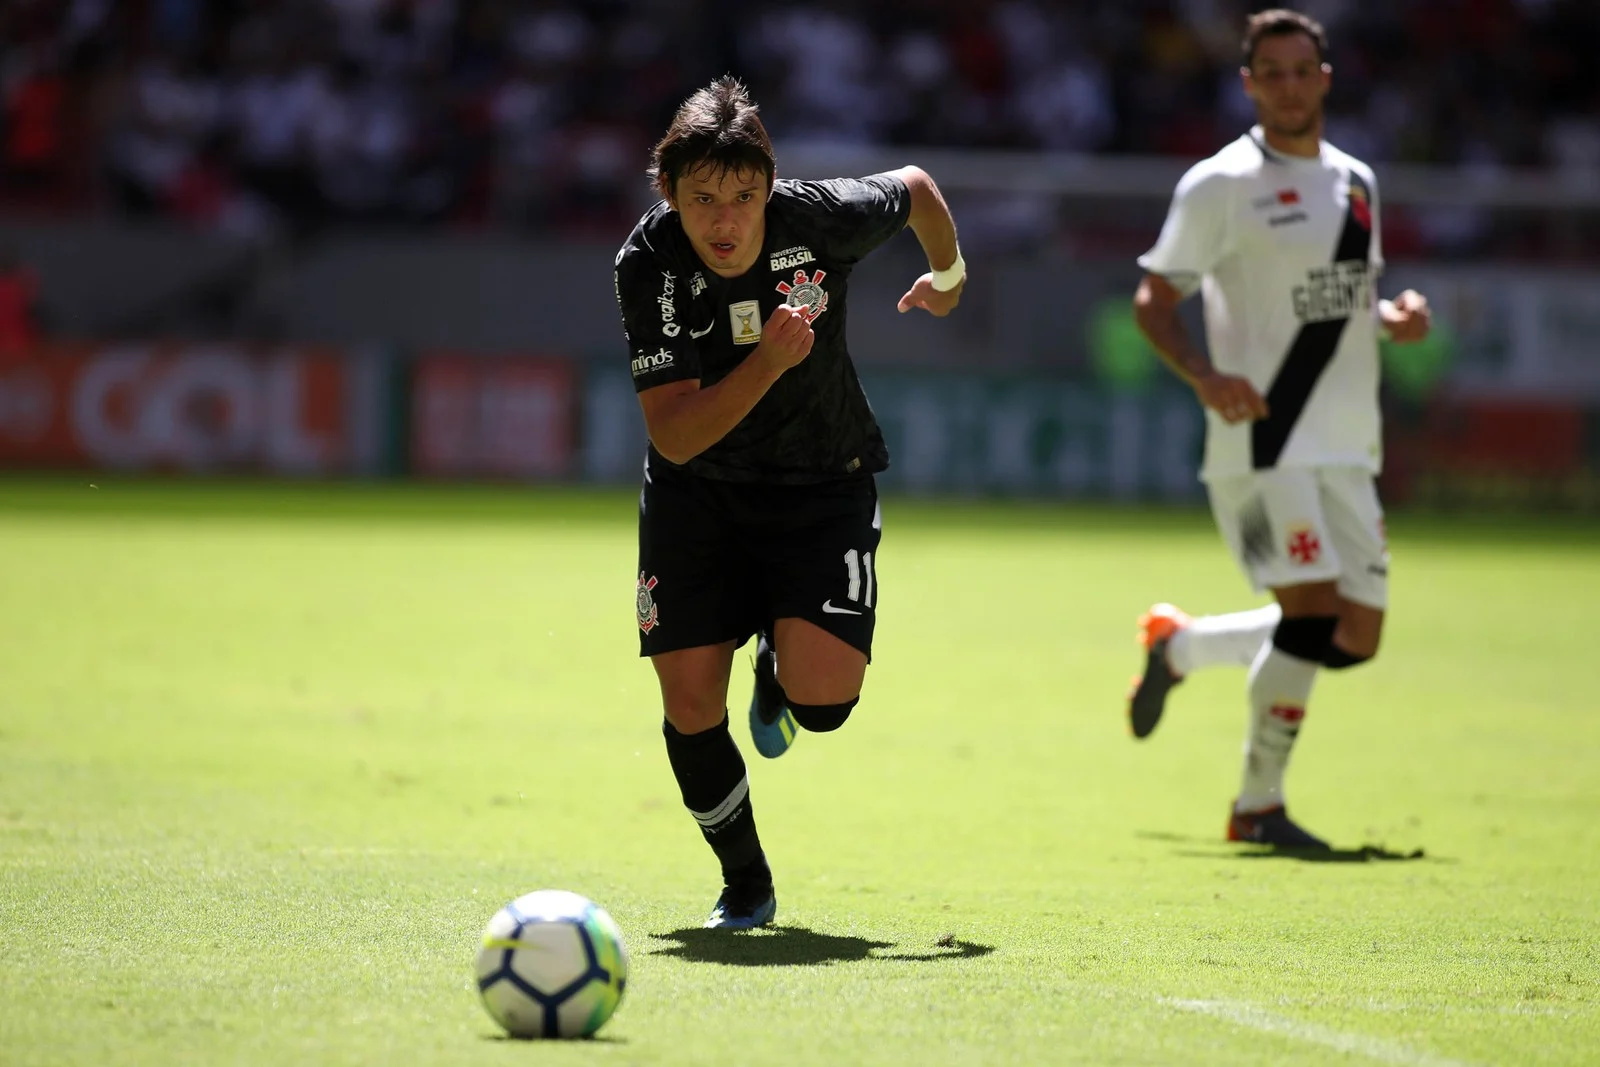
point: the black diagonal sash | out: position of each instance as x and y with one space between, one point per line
1313 347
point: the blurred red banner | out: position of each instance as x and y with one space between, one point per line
502 417
183 407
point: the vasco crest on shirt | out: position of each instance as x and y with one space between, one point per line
806 292
646 604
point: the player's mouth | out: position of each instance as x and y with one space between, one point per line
723 249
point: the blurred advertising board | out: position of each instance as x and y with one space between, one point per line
501 417
1495 453
1527 333
184 407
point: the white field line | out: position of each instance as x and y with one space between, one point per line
1242 1014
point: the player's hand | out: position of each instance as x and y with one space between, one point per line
1408 317
923 295
786 338
1231 396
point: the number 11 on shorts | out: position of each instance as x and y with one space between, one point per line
855 563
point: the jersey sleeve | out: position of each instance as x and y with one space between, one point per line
855 215
653 298
1196 235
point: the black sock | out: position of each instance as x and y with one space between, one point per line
711 777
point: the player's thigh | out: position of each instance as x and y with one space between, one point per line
1355 517
820 566
1355 522
1273 522
694 685
814 666
696 583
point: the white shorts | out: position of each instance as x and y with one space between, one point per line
1296 525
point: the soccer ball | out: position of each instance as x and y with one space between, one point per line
552 964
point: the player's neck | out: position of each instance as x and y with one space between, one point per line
1303 146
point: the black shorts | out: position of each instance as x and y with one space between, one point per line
720 560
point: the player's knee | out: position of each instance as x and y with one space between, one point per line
694 717
821 718
1338 659
1308 637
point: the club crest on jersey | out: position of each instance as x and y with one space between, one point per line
1303 546
1360 203
646 604
806 292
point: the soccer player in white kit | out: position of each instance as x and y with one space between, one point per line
1279 234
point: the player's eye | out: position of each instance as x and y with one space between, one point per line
745 198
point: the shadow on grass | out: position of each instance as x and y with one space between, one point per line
1364 854
796 946
1217 851
597 1039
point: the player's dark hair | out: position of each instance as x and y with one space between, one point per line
717 128
1280 22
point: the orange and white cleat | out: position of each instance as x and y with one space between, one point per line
1149 697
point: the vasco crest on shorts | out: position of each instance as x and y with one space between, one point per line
646 604
806 292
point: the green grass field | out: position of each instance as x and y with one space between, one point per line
270 758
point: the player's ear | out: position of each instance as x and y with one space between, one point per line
664 187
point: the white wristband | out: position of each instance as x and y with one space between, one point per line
952 276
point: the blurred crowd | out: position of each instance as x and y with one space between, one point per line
538 114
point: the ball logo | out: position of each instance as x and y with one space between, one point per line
645 604
806 292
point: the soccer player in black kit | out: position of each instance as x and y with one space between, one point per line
759 512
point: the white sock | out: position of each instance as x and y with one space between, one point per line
1280 686
1222 640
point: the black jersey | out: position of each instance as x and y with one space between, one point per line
682 321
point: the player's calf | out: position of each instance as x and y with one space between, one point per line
1357 638
1338 659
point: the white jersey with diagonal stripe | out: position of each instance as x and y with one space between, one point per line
1285 252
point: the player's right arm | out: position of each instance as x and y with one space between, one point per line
1193 240
684 419
1155 309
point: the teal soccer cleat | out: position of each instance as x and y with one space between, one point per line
772 727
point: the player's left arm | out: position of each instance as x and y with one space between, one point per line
938 291
1406 318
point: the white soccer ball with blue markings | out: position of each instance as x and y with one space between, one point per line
552 964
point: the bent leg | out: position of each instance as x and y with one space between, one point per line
820 673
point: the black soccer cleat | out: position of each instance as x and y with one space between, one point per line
744 906
1271 827
1149 696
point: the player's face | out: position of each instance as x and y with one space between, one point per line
724 214
1288 82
